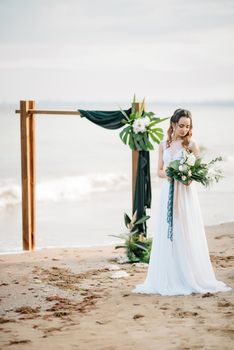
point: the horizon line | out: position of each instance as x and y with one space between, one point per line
207 102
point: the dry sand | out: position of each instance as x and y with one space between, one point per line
69 299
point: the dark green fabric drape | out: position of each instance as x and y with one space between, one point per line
106 119
142 197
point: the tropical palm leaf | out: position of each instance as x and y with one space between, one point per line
143 219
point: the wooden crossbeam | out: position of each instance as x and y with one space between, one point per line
42 111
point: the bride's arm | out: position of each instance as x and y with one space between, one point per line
195 149
161 172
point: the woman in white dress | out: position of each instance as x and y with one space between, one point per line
180 266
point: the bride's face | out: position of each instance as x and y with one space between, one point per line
182 127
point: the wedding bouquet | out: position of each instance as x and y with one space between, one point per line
190 168
141 125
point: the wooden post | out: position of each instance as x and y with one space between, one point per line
32 138
135 156
27 129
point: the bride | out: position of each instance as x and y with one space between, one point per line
181 266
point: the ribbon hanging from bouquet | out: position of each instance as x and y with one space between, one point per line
170 210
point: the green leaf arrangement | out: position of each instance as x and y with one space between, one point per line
137 249
140 131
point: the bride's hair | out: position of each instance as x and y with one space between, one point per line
174 119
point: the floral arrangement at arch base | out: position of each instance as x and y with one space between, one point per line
141 129
137 247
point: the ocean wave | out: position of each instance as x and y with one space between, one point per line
66 188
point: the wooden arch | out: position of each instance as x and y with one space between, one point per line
27 113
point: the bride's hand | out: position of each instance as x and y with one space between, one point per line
189 183
166 176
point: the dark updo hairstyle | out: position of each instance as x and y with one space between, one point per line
175 119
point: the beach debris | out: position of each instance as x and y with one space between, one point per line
61 313
6 320
225 236
37 281
224 303
122 259
27 310
119 274
64 307
183 314
102 322
23 341
208 294
141 265
113 267
222 261
64 278
136 316
52 329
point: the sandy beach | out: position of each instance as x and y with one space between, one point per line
74 298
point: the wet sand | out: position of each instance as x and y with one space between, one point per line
80 298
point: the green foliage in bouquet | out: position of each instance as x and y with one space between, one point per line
191 168
136 246
140 126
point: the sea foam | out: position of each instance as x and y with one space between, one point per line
66 188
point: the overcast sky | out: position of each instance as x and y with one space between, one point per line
107 50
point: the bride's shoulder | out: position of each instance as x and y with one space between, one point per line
192 142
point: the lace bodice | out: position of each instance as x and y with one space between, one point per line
174 151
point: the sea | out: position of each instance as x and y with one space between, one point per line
84 173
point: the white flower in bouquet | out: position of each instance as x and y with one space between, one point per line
191 159
183 177
213 173
184 156
189 173
183 167
138 125
146 120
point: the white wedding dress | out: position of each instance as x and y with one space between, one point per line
181 266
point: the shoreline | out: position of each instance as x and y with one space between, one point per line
21 251
81 298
